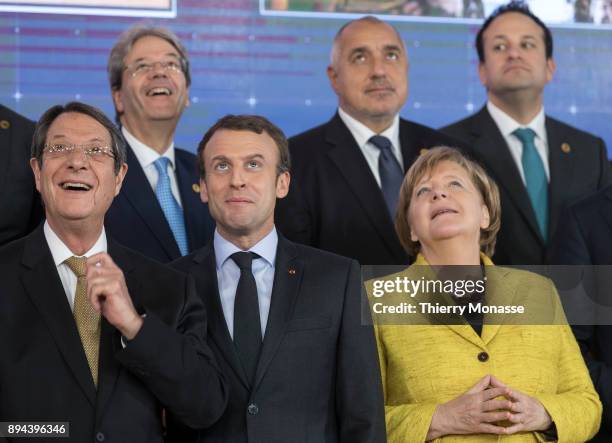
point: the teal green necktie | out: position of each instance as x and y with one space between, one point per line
535 178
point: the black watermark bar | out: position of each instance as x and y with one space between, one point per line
29 429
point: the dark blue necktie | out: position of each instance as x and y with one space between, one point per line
247 323
535 178
391 174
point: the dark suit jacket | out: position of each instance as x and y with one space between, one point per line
334 201
318 378
44 373
136 220
20 206
585 235
574 173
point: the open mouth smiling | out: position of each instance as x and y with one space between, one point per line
160 90
75 186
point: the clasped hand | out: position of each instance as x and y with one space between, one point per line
481 408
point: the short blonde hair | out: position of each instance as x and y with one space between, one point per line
484 184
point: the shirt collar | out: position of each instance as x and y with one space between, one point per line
363 134
60 252
265 248
507 125
145 154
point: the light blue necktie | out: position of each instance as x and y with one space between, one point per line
391 174
171 208
535 178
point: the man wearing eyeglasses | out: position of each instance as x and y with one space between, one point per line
158 212
84 318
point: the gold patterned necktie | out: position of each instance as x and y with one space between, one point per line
85 316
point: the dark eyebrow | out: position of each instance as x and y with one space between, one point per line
255 156
168 54
357 50
393 48
94 139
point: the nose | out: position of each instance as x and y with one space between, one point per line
513 51
438 194
237 178
378 67
77 159
158 70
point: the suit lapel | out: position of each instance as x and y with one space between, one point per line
110 340
204 270
351 164
491 147
499 291
561 170
137 190
287 277
195 224
6 146
44 287
606 210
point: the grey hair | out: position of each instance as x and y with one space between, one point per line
333 54
46 120
126 41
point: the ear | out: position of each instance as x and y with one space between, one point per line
119 178
332 75
188 101
282 185
203 191
116 93
482 73
36 170
413 236
485 217
551 67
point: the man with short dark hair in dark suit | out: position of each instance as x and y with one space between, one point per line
19 202
92 333
284 319
158 212
539 163
347 172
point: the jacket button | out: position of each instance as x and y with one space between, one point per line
100 436
253 409
483 356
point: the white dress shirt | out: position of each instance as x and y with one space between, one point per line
507 125
146 156
228 274
60 252
362 134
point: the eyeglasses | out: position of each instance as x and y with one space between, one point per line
141 68
94 152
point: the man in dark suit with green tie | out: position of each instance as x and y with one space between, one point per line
540 163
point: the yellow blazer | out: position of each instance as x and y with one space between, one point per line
423 366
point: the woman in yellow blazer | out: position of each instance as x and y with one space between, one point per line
469 382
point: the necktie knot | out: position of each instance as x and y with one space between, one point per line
78 265
525 135
244 260
161 164
381 142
